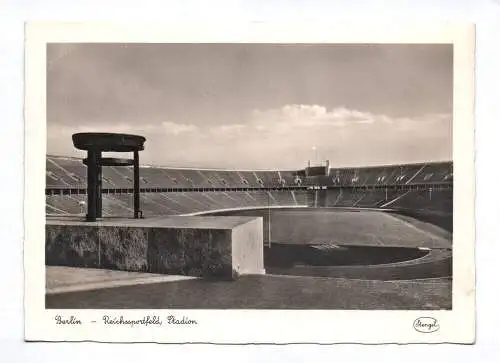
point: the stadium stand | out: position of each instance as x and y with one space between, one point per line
168 191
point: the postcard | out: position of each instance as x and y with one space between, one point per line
252 183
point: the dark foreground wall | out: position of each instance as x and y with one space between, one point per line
216 249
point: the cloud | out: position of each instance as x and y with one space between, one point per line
163 128
59 140
176 129
311 116
283 138
228 130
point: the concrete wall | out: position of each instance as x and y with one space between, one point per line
220 252
248 248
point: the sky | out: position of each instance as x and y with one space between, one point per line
256 106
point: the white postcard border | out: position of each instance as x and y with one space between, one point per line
253 326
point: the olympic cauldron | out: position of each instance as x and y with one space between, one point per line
212 246
95 143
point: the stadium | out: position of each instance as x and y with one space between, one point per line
334 238
273 176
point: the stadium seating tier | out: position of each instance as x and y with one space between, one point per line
342 187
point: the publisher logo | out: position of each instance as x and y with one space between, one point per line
426 325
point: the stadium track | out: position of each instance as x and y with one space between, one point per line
438 264
368 232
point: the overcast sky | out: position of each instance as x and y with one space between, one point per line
255 105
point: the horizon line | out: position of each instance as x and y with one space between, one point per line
447 161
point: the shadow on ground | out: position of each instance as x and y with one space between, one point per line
264 292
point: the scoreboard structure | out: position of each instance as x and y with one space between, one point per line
321 169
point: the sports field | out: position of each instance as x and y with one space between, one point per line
347 227
318 259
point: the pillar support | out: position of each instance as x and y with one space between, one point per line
92 192
137 200
99 187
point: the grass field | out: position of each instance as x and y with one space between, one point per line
347 227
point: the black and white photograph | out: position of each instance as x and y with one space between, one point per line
251 176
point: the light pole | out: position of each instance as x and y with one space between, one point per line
269 219
315 151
